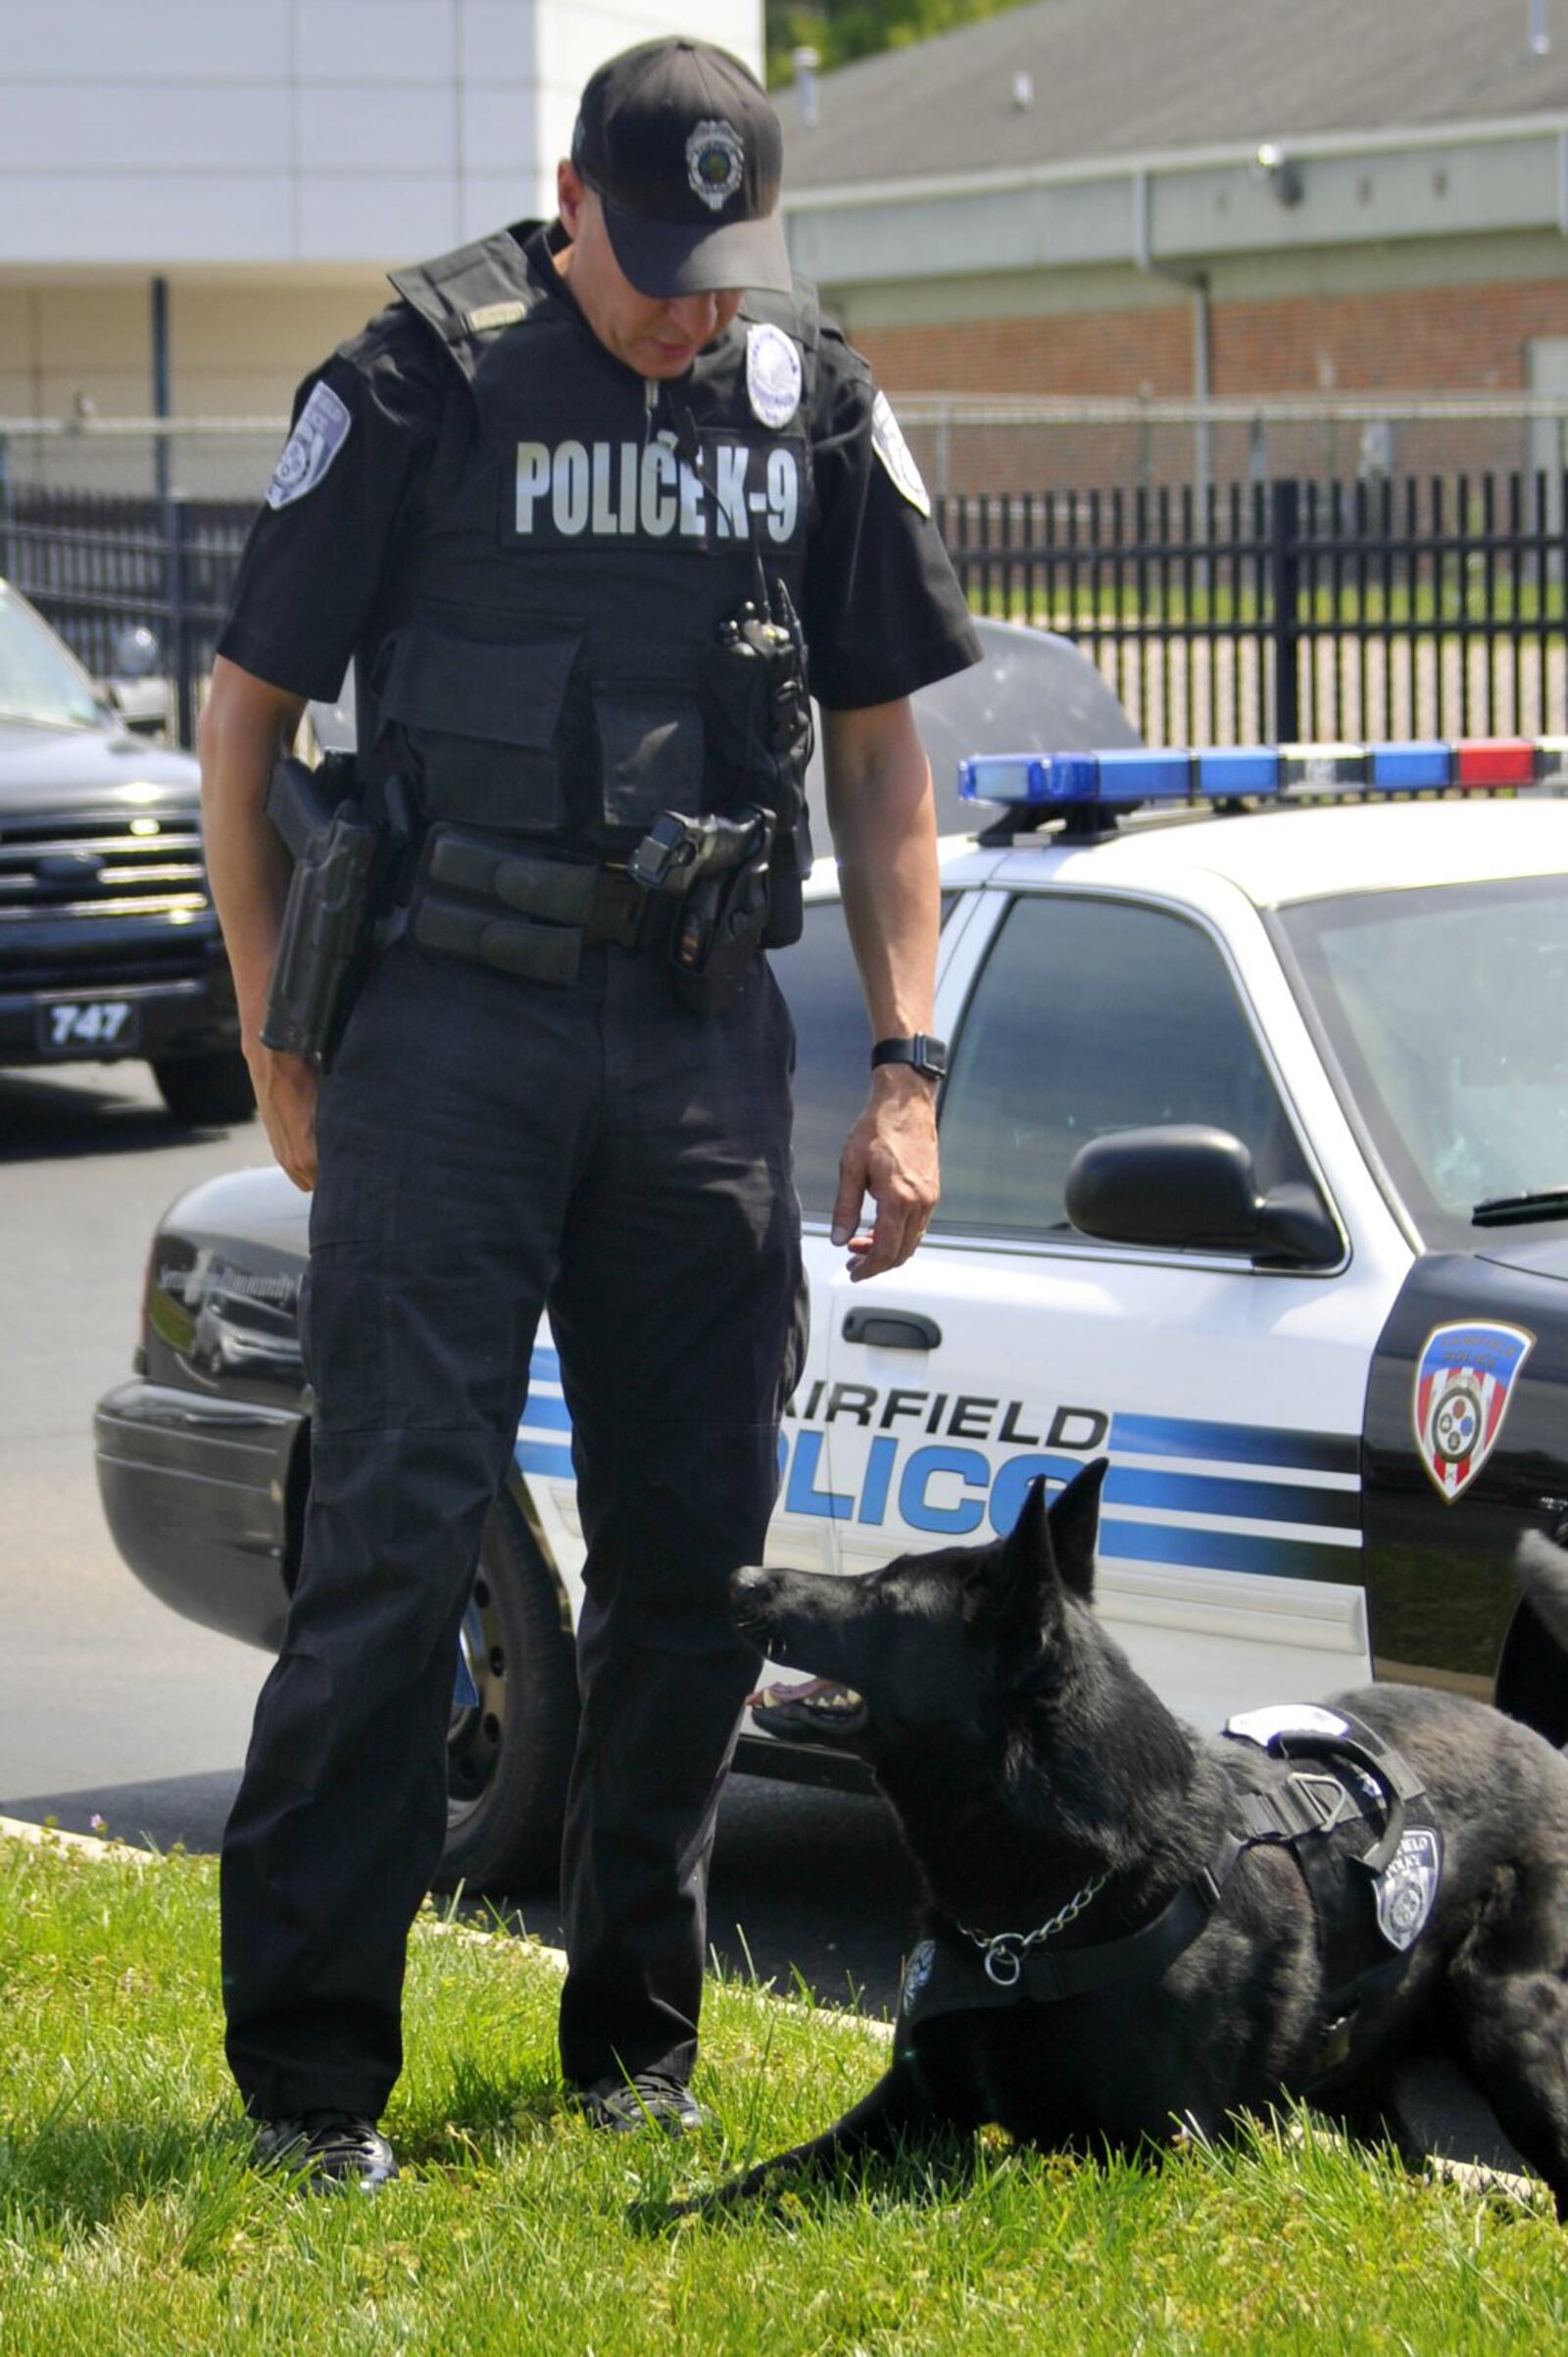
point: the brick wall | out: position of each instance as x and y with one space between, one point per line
1400 341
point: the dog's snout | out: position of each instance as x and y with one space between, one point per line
751 1590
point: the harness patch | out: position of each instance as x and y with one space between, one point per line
772 374
1464 1379
917 1975
1408 1887
887 440
321 433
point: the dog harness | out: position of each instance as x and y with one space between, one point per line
1349 1812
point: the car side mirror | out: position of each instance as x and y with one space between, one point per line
137 693
1186 1187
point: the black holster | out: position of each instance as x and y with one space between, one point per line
329 929
720 869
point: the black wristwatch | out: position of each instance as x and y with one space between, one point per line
929 1056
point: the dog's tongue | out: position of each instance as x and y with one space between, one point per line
767 1697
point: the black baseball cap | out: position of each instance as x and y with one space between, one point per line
685 153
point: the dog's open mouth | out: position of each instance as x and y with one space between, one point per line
821 1710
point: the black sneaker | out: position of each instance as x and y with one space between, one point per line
650 2099
328 2150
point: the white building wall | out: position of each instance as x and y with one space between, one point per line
272 159
188 132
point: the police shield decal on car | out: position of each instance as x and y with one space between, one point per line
772 374
1463 1383
887 440
321 432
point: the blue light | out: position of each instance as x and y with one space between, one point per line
1237 769
1406 768
1072 777
1145 776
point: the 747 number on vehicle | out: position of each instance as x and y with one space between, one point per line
86 1026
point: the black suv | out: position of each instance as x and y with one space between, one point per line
109 942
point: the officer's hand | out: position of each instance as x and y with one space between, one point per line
285 1096
891 1154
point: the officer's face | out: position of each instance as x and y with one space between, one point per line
659 338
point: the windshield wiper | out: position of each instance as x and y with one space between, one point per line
1512 1210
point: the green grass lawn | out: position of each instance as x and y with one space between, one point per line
128 2220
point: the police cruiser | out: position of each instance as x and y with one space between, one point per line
1255 1181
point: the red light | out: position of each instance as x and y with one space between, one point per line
1494 761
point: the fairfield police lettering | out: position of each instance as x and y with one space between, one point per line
574 490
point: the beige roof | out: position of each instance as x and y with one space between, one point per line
1133 77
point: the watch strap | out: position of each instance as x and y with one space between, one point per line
927 1055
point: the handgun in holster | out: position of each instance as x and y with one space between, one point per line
719 869
327 934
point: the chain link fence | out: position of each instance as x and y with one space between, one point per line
973 446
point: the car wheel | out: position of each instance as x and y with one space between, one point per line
206 1088
515 1719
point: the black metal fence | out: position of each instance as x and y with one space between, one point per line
1290 611
97 564
1276 611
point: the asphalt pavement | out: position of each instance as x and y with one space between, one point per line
112 1708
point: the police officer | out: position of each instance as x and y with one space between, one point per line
563 502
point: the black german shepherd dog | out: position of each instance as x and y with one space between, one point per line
1132 1932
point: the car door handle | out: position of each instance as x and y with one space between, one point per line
892 1329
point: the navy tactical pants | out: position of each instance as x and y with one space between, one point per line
488 1146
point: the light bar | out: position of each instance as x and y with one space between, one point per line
1124 779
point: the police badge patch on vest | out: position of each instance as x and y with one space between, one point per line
887 440
570 492
321 432
772 374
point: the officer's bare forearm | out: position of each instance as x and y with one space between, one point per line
883 818
246 726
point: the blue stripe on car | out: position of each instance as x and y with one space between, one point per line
541 1456
1229 1551
1234 1444
1255 1501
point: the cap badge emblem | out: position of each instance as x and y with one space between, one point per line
714 163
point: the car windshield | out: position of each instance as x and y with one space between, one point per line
1444 1006
38 681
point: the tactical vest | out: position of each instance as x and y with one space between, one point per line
582 535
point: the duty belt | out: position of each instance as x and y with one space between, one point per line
525 912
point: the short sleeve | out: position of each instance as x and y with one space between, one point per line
316 557
881 605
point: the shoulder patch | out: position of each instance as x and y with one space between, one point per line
887 440
772 374
321 433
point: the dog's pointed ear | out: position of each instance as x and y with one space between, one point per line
1073 1524
1021 1573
